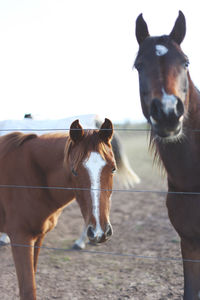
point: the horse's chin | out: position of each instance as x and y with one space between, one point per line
98 241
165 136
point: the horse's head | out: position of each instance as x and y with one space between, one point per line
163 78
92 165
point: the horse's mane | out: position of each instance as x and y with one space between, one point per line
12 141
90 142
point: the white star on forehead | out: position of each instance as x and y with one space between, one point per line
161 50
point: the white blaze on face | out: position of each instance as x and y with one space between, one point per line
169 102
161 50
94 164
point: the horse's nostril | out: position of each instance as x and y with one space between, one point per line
156 110
179 108
109 230
90 233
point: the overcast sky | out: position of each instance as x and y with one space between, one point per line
63 58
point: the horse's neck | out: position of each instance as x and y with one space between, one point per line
193 106
50 160
192 120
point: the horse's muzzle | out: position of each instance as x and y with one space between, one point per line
166 120
99 236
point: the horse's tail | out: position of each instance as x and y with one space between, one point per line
126 176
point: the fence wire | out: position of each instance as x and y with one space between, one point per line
59 188
67 129
130 255
125 255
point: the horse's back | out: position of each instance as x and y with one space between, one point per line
13 141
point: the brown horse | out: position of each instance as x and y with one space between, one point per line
171 104
82 163
126 177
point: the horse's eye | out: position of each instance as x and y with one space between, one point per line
74 172
113 170
186 64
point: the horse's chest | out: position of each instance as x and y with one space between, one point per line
184 213
186 178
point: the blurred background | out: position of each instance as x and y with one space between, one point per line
64 58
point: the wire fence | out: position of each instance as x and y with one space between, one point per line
59 188
67 129
125 255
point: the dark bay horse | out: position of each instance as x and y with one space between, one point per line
82 162
171 104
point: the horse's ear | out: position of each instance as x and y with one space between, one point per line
141 30
106 131
178 32
76 131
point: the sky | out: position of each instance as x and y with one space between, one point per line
67 58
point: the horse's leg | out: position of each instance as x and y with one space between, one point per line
191 251
23 258
37 246
80 243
